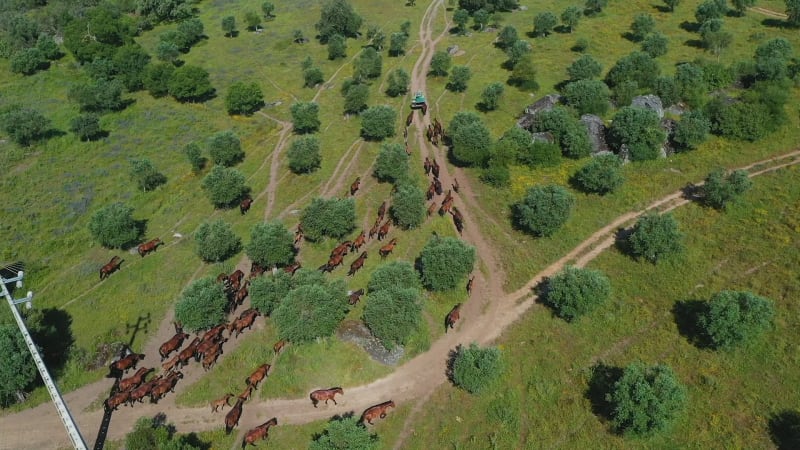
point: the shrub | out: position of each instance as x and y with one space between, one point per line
271 244
145 175
459 78
311 311
445 262
571 16
490 97
113 226
692 130
368 65
156 78
190 84
304 155
100 96
344 433
397 83
48 47
646 399
655 45
516 52
588 96
267 292
393 314
543 210
229 26
224 186
638 66
496 174
201 305
667 90
328 217
544 22
471 139
195 156
640 130
601 175
391 164
337 17
396 274
408 206
86 127
305 117
584 68
355 98
244 98
440 64
337 47
507 37
575 292
397 44
568 131
28 61
524 75
18 370
655 236
643 24
719 189
378 122
475 368
149 433
733 317
541 154
225 148
216 241
130 62
312 77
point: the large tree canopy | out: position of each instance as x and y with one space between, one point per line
17 370
338 17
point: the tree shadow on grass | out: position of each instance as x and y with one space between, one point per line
691 27
775 23
686 314
784 430
621 240
51 329
601 382
451 361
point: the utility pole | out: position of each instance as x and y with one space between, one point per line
61 407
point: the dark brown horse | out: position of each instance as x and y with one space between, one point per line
244 206
115 400
355 296
165 385
456 186
232 418
409 118
292 268
388 248
118 367
259 432
437 186
138 394
424 109
357 264
149 246
384 230
220 403
429 133
376 411
132 382
382 211
435 169
469 285
452 317
278 347
111 267
437 127
325 394
427 165
374 230
257 376
431 191
173 344
354 187
188 353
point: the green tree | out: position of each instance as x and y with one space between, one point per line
145 175
195 156
575 292
716 41
471 5
397 44
394 275
378 122
570 17
638 67
568 131
731 318
225 148
345 433
655 45
475 368
149 433
328 217
216 241
397 83
720 189
446 262
624 92
164 10
692 130
541 154
601 175
671 4
391 164
471 139
640 130
793 13
710 9
18 370
491 95
224 186
376 37
524 75
667 90
304 155
646 399
655 236
156 79
305 117
771 59
460 18
588 96
544 209
188 33
393 314
130 63
496 174
584 68
459 78
544 22
229 26
166 52
244 98
312 77
271 244
201 305
100 96
691 83
368 65
643 24
48 47
355 98
408 206
480 18
190 84
741 6
507 36
86 127
267 292
594 7
440 64
268 9
253 20
518 50
310 312
28 61
113 226
338 17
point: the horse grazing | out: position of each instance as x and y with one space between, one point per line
244 206
355 296
354 187
376 411
431 208
357 264
388 248
452 317
132 382
113 402
149 246
384 230
259 432
118 367
220 403
111 267
325 394
257 376
292 268
173 344
232 418
469 285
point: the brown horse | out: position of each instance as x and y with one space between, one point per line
388 248
244 206
173 344
169 365
437 127
341 249
469 285
210 358
357 264
384 230
246 394
132 382
165 385
437 186
118 367
427 165
429 133
238 326
431 208
376 411
138 394
431 191
435 169
456 186
214 333
424 109
298 237
374 230
111 267
354 187
359 242
259 432
355 296
232 418
325 394
278 347
452 317
115 400
292 268
220 403
188 353
382 211
256 270
149 246
257 376
409 118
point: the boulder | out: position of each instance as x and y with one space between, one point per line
545 103
597 132
452 50
652 102
544 136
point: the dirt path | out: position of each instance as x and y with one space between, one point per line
768 12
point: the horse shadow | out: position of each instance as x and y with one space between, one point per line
621 240
784 429
601 382
686 314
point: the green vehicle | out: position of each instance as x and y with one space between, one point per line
419 101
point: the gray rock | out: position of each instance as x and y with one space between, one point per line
452 50
544 136
356 332
597 132
545 103
624 153
652 102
